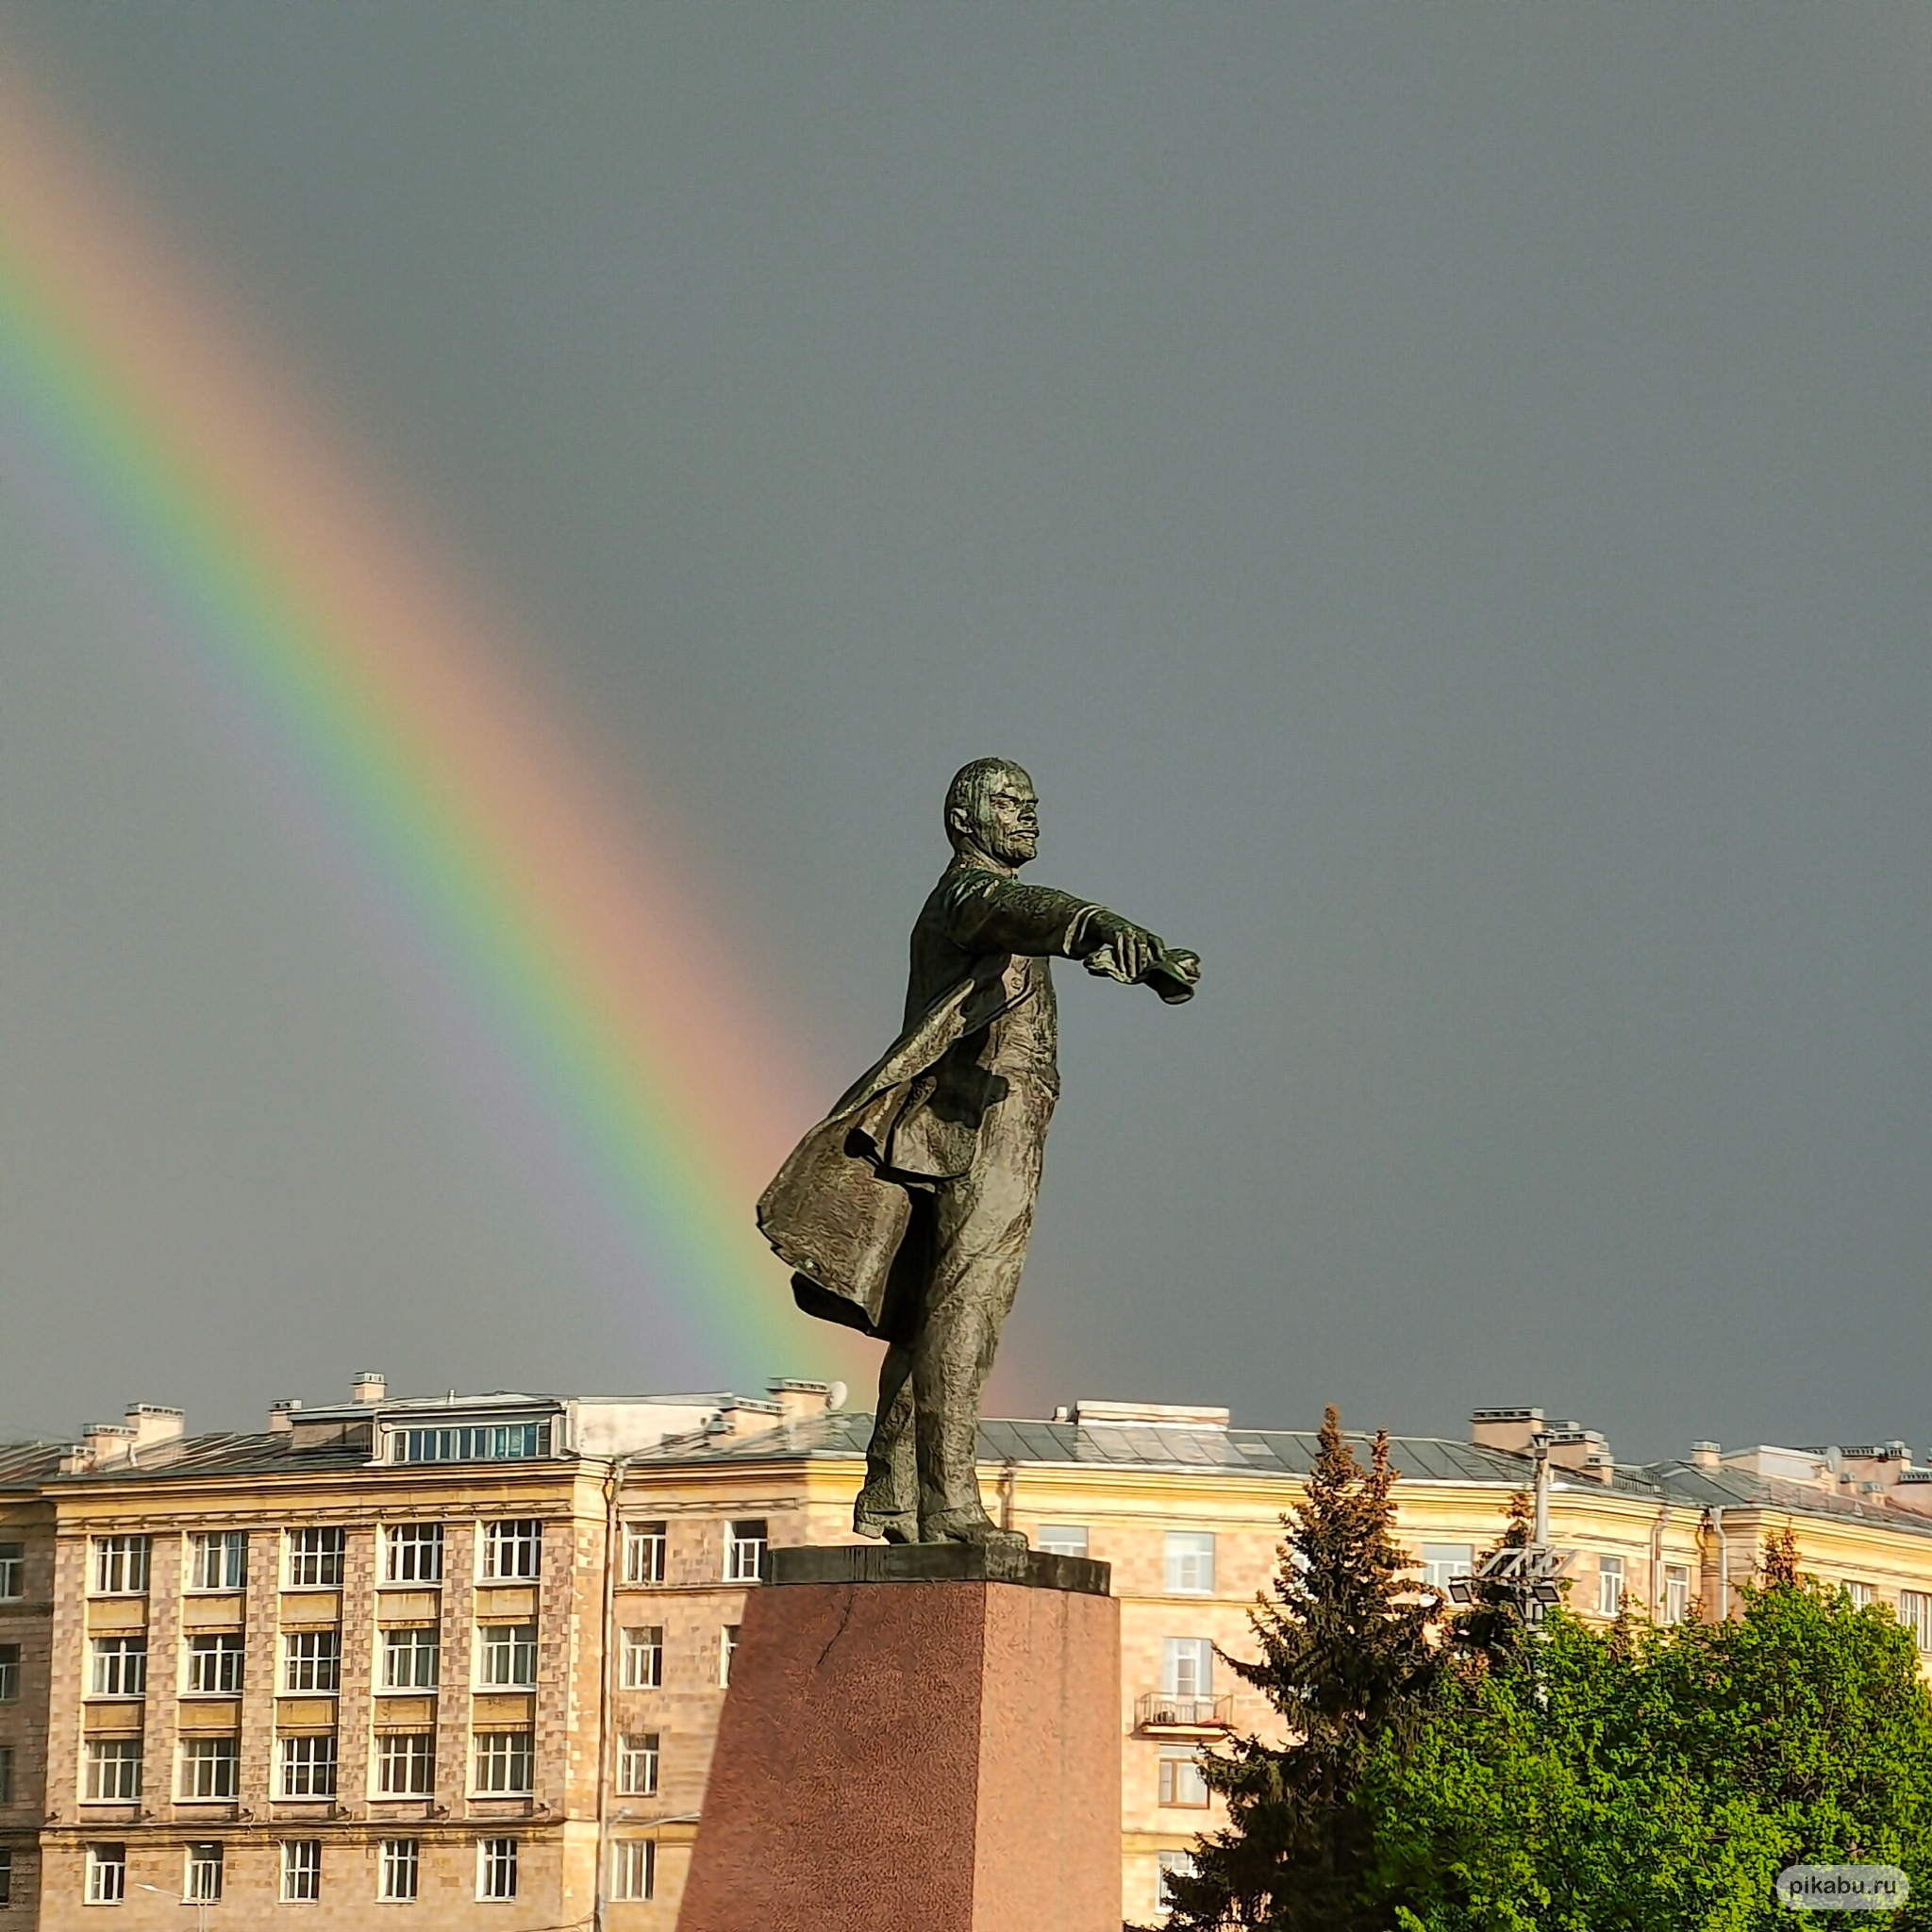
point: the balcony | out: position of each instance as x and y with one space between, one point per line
1163 1714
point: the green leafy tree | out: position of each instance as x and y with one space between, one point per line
1346 1659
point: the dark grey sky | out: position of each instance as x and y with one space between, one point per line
1439 498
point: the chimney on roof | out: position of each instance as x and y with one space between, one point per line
281 1416
153 1424
799 1401
1507 1429
369 1387
1707 1455
107 1442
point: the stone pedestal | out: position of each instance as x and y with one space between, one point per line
920 1739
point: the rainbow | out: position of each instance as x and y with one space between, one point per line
639 1082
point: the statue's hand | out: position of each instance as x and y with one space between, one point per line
1125 950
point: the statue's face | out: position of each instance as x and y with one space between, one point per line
1005 825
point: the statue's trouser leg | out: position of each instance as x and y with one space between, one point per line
889 1502
981 1226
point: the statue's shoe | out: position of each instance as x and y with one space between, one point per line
892 1529
958 1527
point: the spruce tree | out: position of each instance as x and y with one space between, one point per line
1346 1661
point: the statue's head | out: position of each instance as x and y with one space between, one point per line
992 806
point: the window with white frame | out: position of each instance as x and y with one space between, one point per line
202 1880
117 1667
633 1869
506 1764
507 1655
1062 1539
113 1771
214 1664
10 1673
496 1868
727 1652
411 1657
211 1768
119 1567
1181 1782
1860 1594
746 1548
107 1875
513 1551
406 1764
1676 1604
12 1572
637 1765
315 1558
641 1661
644 1546
1915 1613
1170 1865
484 1442
1609 1585
6 1773
413 1553
1187 1666
301 1870
1445 1563
309 1765
401 1869
1189 1563
312 1660
218 1560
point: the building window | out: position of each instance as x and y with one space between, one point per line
218 1560
12 1572
1181 1782
727 1651
640 1665
113 1771
315 1558
211 1766
747 1552
214 1665
402 1866
312 1660
507 1655
410 1658
6 1773
643 1552
496 1868
1187 1666
505 1765
1446 1563
1859 1593
10 1673
406 1764
6 1876
107 1875
1610 1585
204 1874
120 1566
118 1667
1189 1563
1676 1594
489 1442
308 1766
1062 1539
637 1765
512 1552
1170 1865
301 1869
633 1869
1915 1613
413 1553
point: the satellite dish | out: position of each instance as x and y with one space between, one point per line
836 1394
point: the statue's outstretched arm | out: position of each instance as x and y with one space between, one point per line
993 914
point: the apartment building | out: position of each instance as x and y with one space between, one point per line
464 1657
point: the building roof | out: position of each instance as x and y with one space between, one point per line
25 1465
